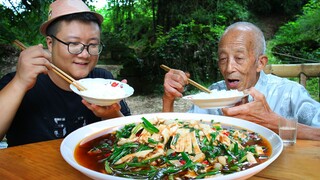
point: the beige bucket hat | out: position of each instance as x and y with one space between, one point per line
64 7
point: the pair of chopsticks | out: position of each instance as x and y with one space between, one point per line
166 68
55 69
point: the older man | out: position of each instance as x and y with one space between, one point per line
241 61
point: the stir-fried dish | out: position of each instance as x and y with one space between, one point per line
174 149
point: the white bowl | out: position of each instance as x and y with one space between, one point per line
103 92
217 99
73 139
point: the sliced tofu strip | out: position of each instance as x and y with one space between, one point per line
129 157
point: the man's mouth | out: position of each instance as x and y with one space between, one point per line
233 83
81 63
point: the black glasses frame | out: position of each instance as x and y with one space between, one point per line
84 46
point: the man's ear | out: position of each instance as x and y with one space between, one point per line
49 43
262 62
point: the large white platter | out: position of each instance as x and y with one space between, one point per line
70 142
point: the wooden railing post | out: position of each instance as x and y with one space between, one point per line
303 79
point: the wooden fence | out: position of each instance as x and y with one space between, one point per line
303 71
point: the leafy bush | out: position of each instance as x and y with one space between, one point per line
283 7
189 47
299 42
300 38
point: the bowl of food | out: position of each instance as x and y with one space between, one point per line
216 99
103 92
171 145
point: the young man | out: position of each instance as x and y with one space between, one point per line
241 61
35 103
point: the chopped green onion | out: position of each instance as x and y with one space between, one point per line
243 159
210 173
137 128
152 141
148 126
236 149
171 177
175 139
107 167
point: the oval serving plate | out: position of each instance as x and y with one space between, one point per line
73 139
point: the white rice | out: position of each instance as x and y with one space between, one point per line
215 94
102 91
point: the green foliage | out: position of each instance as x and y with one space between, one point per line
215 12
23 22
283 7
189 47
231 11
299 42
313 88
130 19
6 21
116 50
182 35
299 38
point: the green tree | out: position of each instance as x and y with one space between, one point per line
299 41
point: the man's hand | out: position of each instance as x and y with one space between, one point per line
174 83
105 112
257 111
32 61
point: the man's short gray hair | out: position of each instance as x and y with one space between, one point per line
259 44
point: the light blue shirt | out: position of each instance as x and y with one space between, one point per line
285 97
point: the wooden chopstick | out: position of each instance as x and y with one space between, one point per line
19 44
55 69
68 78
197 85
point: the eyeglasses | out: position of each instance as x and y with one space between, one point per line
77 47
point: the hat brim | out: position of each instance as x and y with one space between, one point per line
44 26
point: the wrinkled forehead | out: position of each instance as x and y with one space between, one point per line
240 37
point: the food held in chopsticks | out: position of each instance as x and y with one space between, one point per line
173 149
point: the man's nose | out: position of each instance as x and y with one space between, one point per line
230 65
85 52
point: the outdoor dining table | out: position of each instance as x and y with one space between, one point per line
43 160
